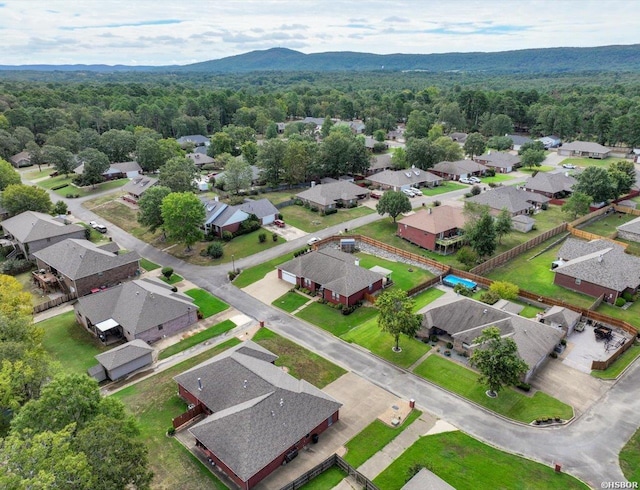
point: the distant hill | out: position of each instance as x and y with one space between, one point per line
546 60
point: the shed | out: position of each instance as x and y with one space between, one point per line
523 223
125 359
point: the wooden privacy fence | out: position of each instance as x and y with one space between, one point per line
602 365
191 414
585 235
427 284
626 210
331 461
54 302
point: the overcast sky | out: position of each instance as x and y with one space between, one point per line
165 32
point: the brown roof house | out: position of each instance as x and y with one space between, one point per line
122 360
553 185
584 149
257 416
510 198
137 187
398 180
458 169
438 229
597 268
333 195
140 309
82 267
501 161
32 231
335 275
463 319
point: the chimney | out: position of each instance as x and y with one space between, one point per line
430 210
357 261
313 183
199 384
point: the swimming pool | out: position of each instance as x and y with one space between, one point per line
452 280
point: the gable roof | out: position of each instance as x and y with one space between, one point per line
459 137
200 158
459 167
399 178
333 269
514 200
550 182
325 194
435 220
632 226
601 262
382 161
197 139
587 146
562 316
31 226
76 258
121 355
499 159
20 157
125 167
137 305
519 139
259 410
138 185
260 207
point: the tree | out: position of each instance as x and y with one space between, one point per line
499 143
399 159
299 157
326 127
532 158
23 136
496 125
18 198
467 256
474 145
380 135
8 144
96 164
447 150
621 181
436 131
118 144
36 155
237 175
14 301
272 131
503 224
221 142
249 151
66 138
149 154
59 208
271 160
531 145
8 175
150 207
421 153
396 315
343 153
595 182
497 360
481 233
183 215
504 289
577 205
178 174
59 157
418 125
393 203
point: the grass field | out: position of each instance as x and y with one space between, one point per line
208 304
38 174
28 286
332 320
82 191
425 297
373 438
155 402
199 337
290 301
613 371
587 162
541 168
497 179
70 344
630 458
148 265
300 217
466 463
401 276
302 363
255 273
509 402
327 479
278 197
446 186
606 226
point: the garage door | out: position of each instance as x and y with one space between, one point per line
267 220
288 277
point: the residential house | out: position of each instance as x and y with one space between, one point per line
200 159
121 170
221 217
122 360
559 316
439 229
333 195
398 180
195 139
501 161
551 141
597 268
140 309
31 231
458 169
280 127
518 140
396 134
630 230
459 137
379 163
370 144
82 267
256 176
257 417
137 187
22 159
584 149
462 320
552 185
508 197
357 126
335 275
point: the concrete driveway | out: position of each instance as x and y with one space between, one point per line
269 288
288 232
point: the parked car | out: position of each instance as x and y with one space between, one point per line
375 196
568 165
475 180
279 223
313 240
465 180
100 228
416 191
408 192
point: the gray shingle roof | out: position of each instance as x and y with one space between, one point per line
80 258
561 316
197 139
498 159
261 207
632 226
259 410
398 178
333 269
599 262
325 194
200 159
125 167
381 161
121 355
30 226
587 146
514 200
138 185
550 182
459 167
137 306
519 139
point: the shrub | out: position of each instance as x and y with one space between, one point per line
313 209
167 272
544 206
627 296
171 431
492 184
489 297
620 302
297 202
436 203
227 236
563 342
279 216
491 172
475 190
467 256
433 338
87 234
553 355
468 194
449 345
505 289
262 237
327 212
463 290
524 386
274 237
215 250
13 267
60 208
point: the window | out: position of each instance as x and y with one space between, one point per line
578 281
335 295
160 327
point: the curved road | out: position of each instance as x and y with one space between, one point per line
587 448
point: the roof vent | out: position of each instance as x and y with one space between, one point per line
281 402
408 174
600 257
417 172
244 384
484 312
199 384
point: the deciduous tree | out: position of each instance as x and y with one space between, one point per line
393 203
61 158
532 158
8 175
150 207
503 224
95 163
481 232
595 182
237 175
18 198
178 174
396 315
183 215
475 145
577 205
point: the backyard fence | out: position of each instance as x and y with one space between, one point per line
602 365
284 204
54 302
427 284
330 462
191 414
625 209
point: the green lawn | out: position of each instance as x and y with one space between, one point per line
541 168
613 371
82 191
509 403
373 438
37 174
196 339
257 272
240 247
369 336
466 463
208 304
300 217
446 186
425 297
278 197
630 315
606 225
148 265
530 311
327 479
290 301
301 363
155 402
497 179
401 276
332 320
70 344
173 279
587 162
630 458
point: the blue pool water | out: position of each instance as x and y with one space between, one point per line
452 280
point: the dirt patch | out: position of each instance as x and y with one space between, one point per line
396 413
